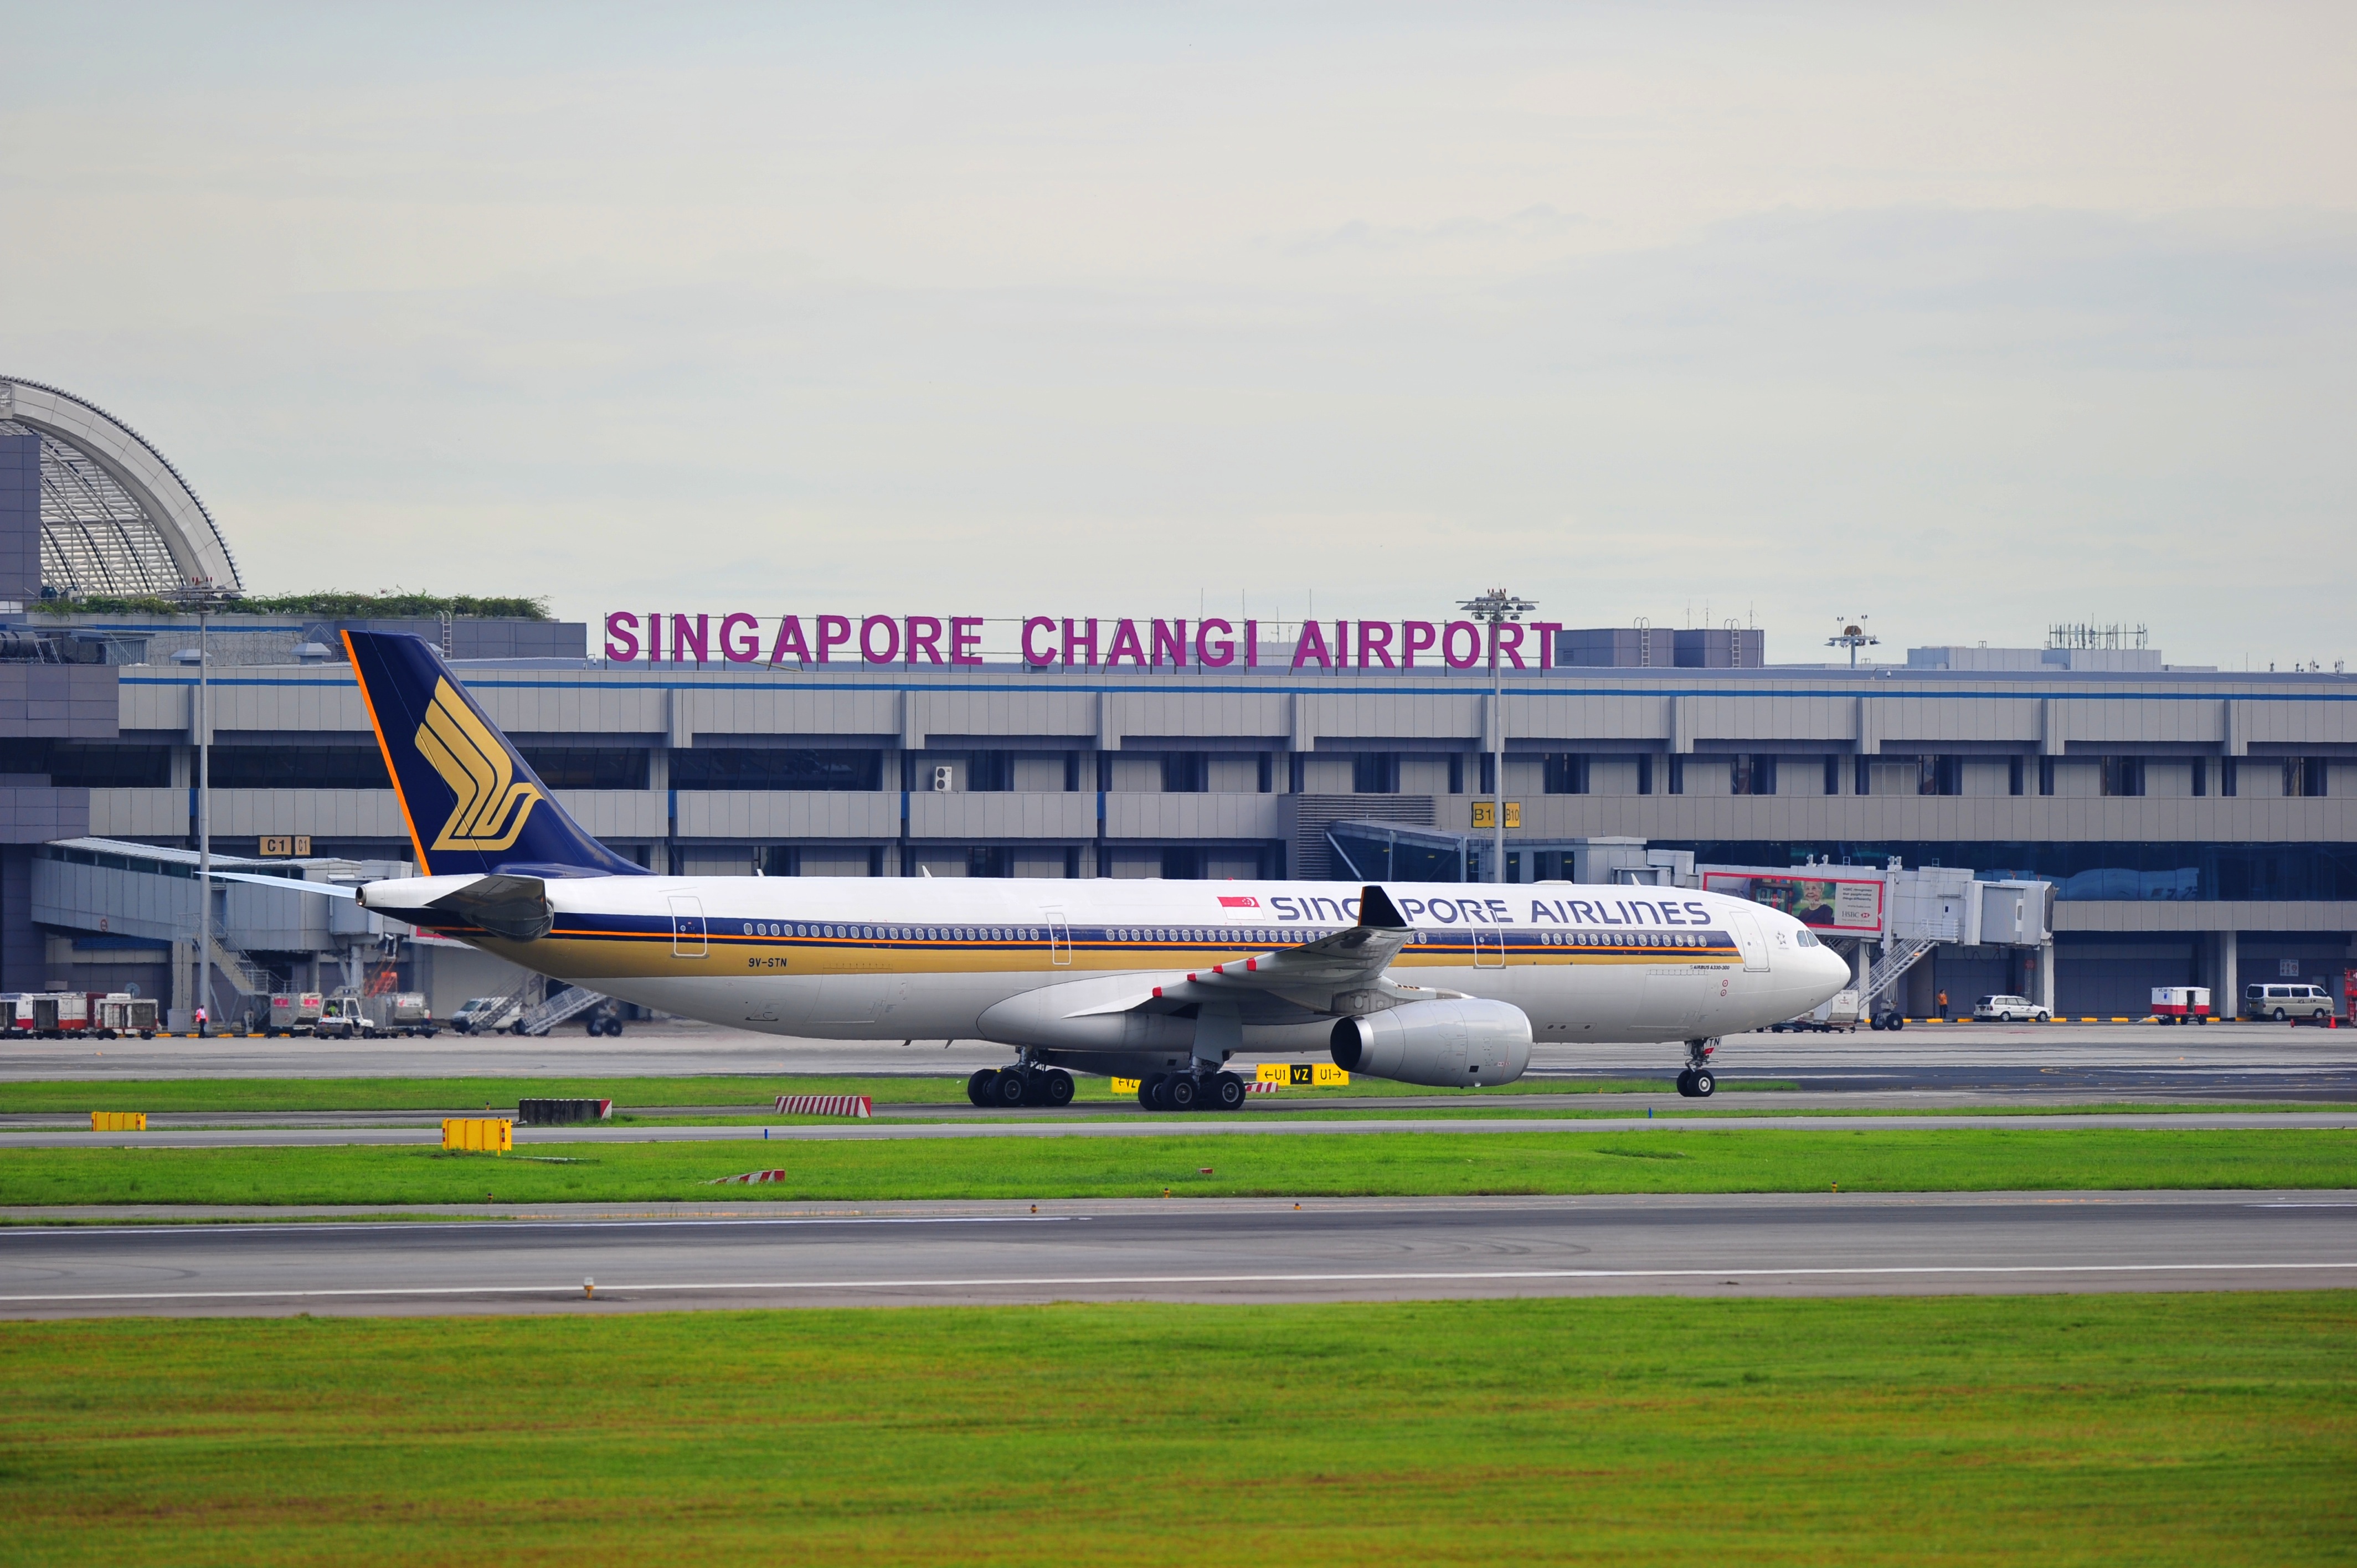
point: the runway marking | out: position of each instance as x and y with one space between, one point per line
1059 1281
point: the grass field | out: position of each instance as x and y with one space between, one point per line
1387 1163
2151 1429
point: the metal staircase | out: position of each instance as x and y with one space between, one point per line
249 977
569 1003
1903 956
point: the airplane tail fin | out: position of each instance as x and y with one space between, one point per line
471 801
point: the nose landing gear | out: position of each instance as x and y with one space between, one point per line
1697 1082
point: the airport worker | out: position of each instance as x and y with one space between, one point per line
1943 1006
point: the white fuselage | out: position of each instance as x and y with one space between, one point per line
872 958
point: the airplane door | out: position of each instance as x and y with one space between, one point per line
1747 938
1488 948
1059 938
687 927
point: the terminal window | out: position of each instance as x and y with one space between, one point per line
589 767
776 768
298 768
71 766
1566 774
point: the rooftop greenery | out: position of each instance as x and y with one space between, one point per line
330 605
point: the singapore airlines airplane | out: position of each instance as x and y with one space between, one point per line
1438 983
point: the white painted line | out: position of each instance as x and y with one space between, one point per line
1063 1280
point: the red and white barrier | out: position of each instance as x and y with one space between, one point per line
1263 1088
750 1178
825 1105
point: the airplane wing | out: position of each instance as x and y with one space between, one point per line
1341 973
331 889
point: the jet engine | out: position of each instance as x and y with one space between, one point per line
1445 1044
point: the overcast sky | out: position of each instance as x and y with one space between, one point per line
1972 320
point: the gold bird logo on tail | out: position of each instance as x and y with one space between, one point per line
492 805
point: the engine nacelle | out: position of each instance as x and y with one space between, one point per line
1447 1045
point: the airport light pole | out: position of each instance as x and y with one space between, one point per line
1496 607
204 598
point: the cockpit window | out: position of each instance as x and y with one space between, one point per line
1807 939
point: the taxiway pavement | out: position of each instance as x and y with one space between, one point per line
1255 1249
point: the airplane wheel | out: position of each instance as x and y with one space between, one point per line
1705 1086
1228 1092
1686 1084
1010 1087
1148 1088
1056 1086
1181 1093
977 1088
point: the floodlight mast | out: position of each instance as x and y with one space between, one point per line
1854 636
1496 607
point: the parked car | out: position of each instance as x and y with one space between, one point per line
2009 1010
484 1014
2288 1000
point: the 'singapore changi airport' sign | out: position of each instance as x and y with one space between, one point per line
1046 641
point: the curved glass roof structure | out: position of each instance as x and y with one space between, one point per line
117 517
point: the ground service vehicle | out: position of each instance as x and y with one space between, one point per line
403 1013
121 1014
1440 983
293 1011
2002 1009
1837 1013
53 1015
2181 1004
2286 1001
343 1017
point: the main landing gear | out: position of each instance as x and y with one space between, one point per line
1005 1087
1697 1083
1191 1091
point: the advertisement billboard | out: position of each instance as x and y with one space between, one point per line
1850 905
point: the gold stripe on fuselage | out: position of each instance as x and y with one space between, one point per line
636 955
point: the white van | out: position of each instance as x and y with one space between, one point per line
2288 1000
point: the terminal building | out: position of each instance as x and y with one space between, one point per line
2200 826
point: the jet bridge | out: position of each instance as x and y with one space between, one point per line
141 898
1888 919
1885 920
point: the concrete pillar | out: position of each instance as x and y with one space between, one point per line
2226 996
2046 976
23 956
20 520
